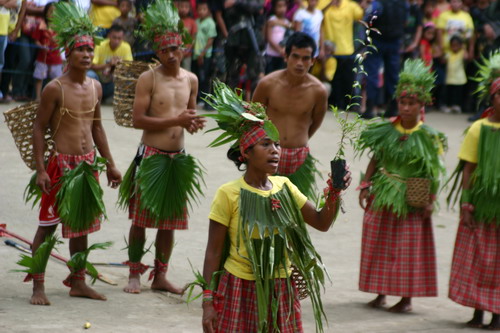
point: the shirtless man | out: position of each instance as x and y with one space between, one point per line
296 103
163 107
70 107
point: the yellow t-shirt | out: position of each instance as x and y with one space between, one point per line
330 68
338 25
459 23
455 68
103 52
103 16
468 150
4 21
225 210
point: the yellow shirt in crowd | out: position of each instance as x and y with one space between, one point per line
103 16
225 210
468 150
459 23
103 52
338 25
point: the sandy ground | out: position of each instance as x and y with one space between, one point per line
162 312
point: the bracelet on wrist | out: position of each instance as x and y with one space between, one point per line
364 185
468 207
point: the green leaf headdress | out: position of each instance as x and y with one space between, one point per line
242 122
415 80
163 26
487 76
73 27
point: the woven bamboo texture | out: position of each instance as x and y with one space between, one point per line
20 123
125 79
418 192
300 283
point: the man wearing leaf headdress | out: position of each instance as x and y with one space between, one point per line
258 231
398 193
162 179
296 102
70 107
475 278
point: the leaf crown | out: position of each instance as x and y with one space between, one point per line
488 71
416 80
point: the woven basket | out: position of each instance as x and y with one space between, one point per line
125 79
300 283
20 123
418 192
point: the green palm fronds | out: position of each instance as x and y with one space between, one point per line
305 178
127 187
160 17
235 116
32 192
79 260
38 262
402 156
416 79
273 239
167 182
136 250
202 283
79 200
70 20
488 71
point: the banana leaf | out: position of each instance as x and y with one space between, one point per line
32 192
79 260
136 250
305 178
37 263
127 187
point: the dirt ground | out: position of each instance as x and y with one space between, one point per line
162 312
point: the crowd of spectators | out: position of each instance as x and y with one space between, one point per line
239 41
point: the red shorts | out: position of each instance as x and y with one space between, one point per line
143 218
48 209
291 160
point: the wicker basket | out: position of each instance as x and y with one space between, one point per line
20 123
300 283
418 192
125 79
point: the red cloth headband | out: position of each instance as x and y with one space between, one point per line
495 86
80 40
167 40
251 137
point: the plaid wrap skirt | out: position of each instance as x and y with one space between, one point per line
48 209
397 255
238 312
291 159
475 269
143 218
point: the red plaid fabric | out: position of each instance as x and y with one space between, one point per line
80 40
291 160
397 255
78 275
495 86
143 218
238 311
167 40
250 138
48 209
475 270
39 277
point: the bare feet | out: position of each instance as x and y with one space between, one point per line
403 306
80 289
161 283
477 320
378 302
39 297
134 284
494 324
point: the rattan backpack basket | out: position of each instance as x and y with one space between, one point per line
20 123
125 79
418 192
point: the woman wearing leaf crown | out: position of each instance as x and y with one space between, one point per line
475 270
258 230
398 193
68 184
162 179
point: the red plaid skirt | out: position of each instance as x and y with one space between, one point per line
143 218
291 159
239 314
397 255
48 209
475 270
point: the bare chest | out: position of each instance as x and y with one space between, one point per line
170 96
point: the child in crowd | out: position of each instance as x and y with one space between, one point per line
325 69
428 9
184 8
202 54
48 62
455 75
308 20
126 21
427 43
276 27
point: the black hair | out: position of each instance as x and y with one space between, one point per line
234 155
300 40
46 11
129 1
202 2
456 38
274 3
116 27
